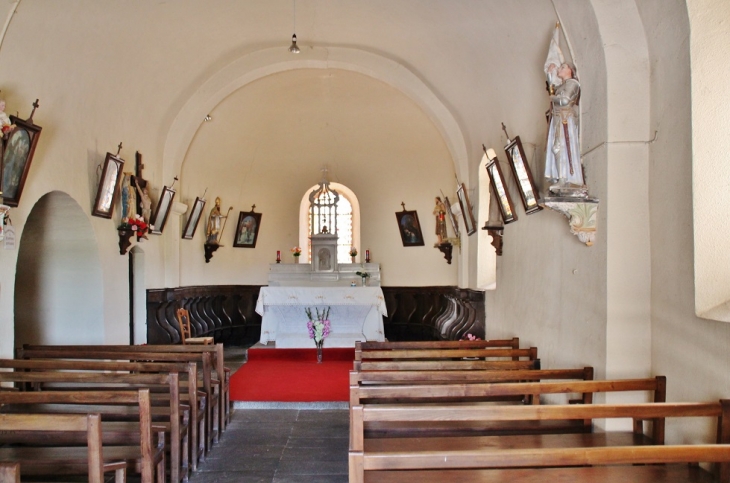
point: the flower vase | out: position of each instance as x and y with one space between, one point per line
364 281
319 351
296 259
353 259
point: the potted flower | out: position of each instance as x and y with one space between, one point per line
353 253
297 252
134 225
319 328
363 276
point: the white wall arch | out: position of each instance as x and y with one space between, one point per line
266 62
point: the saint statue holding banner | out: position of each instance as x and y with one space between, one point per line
563 167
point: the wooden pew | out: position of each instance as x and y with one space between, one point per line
490 392
217 358
212 386
444 365
386 460
174 416
513 343
134 446
384 378
446 354
46 461
200 434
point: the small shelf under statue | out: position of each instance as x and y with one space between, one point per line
582 214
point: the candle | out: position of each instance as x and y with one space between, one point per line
367 256
278 256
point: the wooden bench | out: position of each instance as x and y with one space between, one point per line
513 343
494 392
200 434
385 378
478 458
210 383
44 450
216 352
68 460
444 365
446 354
172 417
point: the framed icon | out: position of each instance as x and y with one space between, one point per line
192 224
470 223
523 176
107 193
159 218
497 181
409 228
247 230
16 158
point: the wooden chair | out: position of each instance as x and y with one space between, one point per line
183 319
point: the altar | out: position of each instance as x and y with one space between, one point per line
356 313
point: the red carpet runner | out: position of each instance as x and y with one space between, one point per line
293 375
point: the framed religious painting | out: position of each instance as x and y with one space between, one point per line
247 230
409 228
496 179
17 156
108 191
523 176
452 218
159 217
470 223
192 224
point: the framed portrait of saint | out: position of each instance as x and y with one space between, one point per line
496 179
17 156
247 230
159 217
409 228
523 176
470 223
107 193
192 224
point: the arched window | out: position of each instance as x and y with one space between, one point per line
348 223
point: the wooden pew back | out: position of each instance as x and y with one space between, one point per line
526 454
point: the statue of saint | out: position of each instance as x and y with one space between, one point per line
215 219
440 213
563 167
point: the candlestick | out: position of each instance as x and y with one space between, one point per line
278 256
367 256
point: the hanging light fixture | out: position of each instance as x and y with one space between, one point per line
293 47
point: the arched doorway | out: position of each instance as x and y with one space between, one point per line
58 282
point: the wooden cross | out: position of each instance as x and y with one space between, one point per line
35 106
138 164
253 207
504 128
119 149
403 205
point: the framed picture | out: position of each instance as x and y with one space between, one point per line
17 156
247 230
469 222
410 228
159 218
454 221
523 176
192 224
108 191
500 189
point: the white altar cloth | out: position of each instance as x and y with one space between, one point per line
356 313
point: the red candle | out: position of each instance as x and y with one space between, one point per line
278 255
367 256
